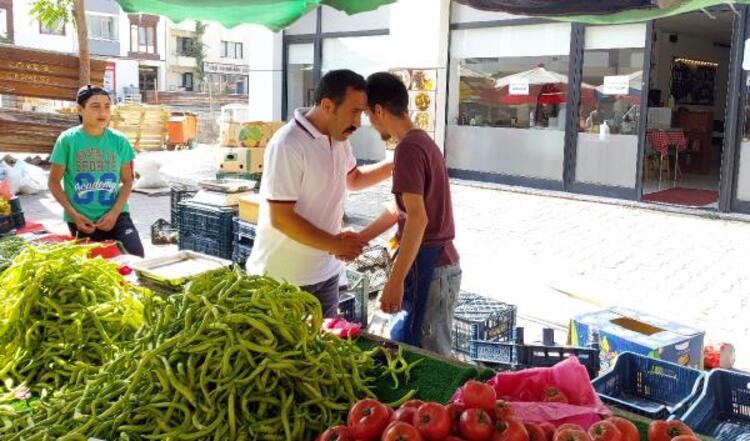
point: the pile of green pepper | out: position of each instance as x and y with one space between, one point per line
10 247
63 315
234 357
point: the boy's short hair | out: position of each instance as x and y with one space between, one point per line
333 85
388 91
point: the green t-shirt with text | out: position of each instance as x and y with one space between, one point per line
92 169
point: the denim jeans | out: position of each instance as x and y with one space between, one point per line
438 317
327 293
407 324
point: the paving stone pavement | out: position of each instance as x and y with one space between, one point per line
556 257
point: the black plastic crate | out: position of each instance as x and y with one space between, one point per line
6 224
179 193
513 355
206 246
244 232
18 219
478 318
241 253
347 306
210 221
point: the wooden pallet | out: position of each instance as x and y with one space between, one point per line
32 132
145 126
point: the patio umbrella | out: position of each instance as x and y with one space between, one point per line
545 87
635 81
273 14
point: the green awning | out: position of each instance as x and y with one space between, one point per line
273 14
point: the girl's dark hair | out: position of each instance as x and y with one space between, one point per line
86 92
389 92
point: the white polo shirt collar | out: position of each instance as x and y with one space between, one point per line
305 124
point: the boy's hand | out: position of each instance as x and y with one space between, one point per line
84 224
108 221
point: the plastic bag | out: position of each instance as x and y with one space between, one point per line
26 178
525 388
147 167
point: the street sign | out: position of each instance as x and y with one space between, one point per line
42 74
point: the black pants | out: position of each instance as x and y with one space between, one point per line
124 232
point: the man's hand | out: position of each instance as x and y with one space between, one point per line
84 224
349 245
108 221
393 296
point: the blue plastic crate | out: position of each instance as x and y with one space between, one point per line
478 318
722 410
647 386
244 232
347 306
206 246
18 219
240 253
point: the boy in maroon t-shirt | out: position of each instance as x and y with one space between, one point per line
426 277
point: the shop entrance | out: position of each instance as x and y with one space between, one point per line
686 109
147 78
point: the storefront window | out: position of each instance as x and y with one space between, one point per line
3 24
743 177
607 152
227 84
506 105
299 77
364 55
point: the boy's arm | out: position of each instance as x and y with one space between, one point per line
83 223
387 218
411 241
108 221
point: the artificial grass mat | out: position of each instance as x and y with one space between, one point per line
433 379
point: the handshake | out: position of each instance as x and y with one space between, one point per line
347 245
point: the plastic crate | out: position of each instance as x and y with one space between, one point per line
478 318
6 224
653 388
722 410
241 253
18 219
347 306
514 356
357 284
244 232
177 194
214 222
206 246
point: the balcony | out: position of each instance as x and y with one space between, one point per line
181 60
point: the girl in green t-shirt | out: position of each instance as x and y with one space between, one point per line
95 164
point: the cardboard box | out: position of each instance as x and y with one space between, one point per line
248 134
242 160
623 329
249 208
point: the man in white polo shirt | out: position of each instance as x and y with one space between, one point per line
308 167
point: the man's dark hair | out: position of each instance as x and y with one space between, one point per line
333 85
388 91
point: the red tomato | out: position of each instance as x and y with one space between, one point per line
667 430
509 430
571 435
554 395
404 414
478 395
549 430
367 419
399 431
454 411
686 438
627 429
535 431
503 410
453 438
433 421
413 403
338 433
476 425
390 412
604 431
570 426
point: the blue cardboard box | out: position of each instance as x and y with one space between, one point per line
623 329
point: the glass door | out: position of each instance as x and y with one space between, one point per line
299 77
